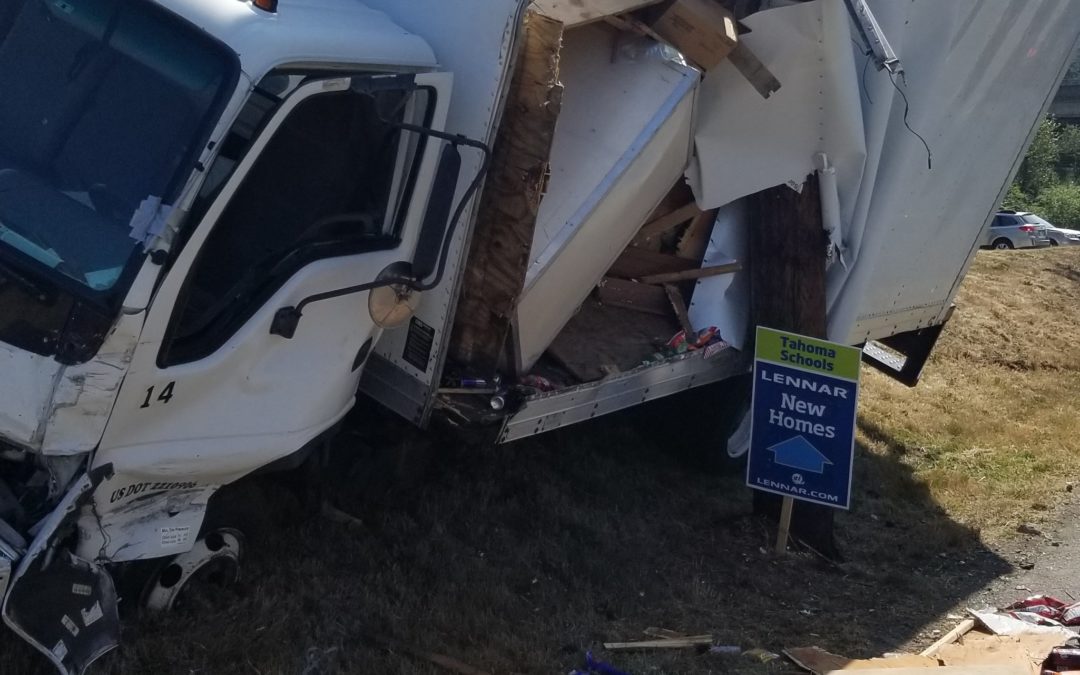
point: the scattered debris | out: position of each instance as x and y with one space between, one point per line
1028 528
594 667
990 643
665 643
1063 659
726 650
821 662
761 655
955 634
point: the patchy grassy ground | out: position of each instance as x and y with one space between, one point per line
993 430
519 559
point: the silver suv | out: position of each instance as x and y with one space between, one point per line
1017 229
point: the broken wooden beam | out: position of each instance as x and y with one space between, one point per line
499 252
578 12
668 222
755 72
679 305
964 627
788 293
632 295
636 262
666 643
691 275
695 241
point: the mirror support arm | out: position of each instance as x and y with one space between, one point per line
287 319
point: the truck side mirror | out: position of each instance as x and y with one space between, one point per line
437 218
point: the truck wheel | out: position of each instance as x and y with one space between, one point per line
213 561
235 514
1002 244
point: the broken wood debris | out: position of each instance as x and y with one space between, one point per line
632 295
506 222
755 72
692 275
664 643
580 12
635 263
679 305
952 636
668 222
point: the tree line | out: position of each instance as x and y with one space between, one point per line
1047 181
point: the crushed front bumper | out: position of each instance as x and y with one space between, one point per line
63 605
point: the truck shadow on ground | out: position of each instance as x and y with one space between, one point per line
518 559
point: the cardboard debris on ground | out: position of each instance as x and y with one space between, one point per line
1025 651
1003 646
950 670
821 662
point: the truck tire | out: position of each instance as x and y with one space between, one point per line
237 515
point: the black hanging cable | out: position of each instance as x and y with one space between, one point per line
866 87
907 109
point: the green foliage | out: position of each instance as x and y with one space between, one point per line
1047 180
1068 167
1016 200
1039 170
1060 204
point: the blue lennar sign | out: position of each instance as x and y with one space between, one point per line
803 436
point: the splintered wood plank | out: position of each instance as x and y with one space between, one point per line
755 72
668 222
499 253
671 643
695 241
578 12
639 262
692 275
681 313
632 295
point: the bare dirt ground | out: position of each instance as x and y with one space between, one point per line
520 559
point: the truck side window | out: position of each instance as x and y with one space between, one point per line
332 181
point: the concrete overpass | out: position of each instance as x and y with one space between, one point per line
1066 106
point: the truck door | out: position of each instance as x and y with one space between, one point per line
329 194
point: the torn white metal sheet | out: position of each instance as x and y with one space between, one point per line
967 64
623 139
609 106
908 231
746 143
722 301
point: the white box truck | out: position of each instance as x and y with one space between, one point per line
224 224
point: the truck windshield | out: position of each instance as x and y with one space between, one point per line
104 106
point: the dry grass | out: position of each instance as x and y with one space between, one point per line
521 558
993 429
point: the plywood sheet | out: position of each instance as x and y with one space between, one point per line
577 12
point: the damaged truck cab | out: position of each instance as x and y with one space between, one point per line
172 174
